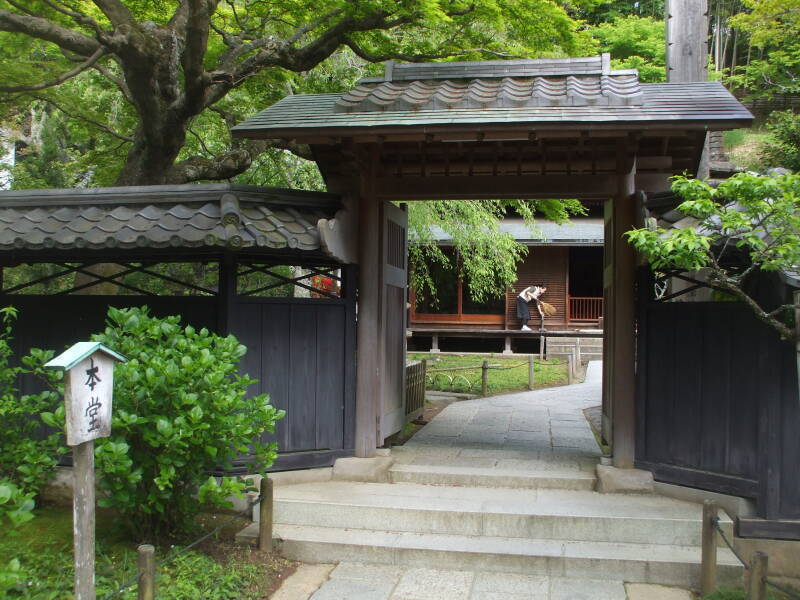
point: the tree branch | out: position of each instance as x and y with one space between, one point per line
98 124
77 16
116 12
301 31
230 164
42 29
361 53
118 81
88 64
195 43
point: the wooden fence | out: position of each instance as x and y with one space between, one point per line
415 388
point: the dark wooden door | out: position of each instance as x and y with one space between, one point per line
301 351
394 240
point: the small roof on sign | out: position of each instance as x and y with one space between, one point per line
75 354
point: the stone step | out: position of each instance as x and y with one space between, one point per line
512 513
493 478
637 563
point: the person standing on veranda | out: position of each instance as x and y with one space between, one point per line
532 293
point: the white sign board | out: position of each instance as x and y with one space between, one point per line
87 399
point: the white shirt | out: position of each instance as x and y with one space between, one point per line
531 293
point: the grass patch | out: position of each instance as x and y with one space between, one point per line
547 373
744 147
738 594
218 569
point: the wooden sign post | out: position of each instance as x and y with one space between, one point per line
88 389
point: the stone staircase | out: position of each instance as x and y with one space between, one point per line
500 485
583 349
526 529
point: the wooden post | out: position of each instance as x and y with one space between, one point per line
434 344
542 342
146 590
623 311
531 382
757 585
708 563
570 370
83 517
88 392
370 327
797 336
485 378
687 40
265 515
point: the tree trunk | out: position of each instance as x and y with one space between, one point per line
149 161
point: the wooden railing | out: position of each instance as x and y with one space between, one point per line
415 388
584 309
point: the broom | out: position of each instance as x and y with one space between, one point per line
548 309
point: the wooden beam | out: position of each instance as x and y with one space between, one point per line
482 187
624 313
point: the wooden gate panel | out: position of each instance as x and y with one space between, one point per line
302 351
719 404
789 452
330 400
297 349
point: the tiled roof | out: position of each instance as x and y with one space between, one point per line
495 84
235 217
571 92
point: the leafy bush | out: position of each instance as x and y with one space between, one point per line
179 412
26 459
15 509
783 149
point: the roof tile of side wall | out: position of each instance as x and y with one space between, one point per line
145 219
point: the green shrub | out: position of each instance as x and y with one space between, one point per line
783 147
179 412
26 459
15 509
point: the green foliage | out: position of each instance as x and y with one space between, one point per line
749 223
635 43
488 257
179 412
15 509
736 594
265 49
217 570
773 28
25 459
782 148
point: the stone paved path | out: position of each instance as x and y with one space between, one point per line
354 581
538 430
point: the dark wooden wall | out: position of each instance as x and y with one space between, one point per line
57 322
301 351
544 265
717 404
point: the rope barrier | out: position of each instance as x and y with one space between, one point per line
791 593
175 554
780 588
728 544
